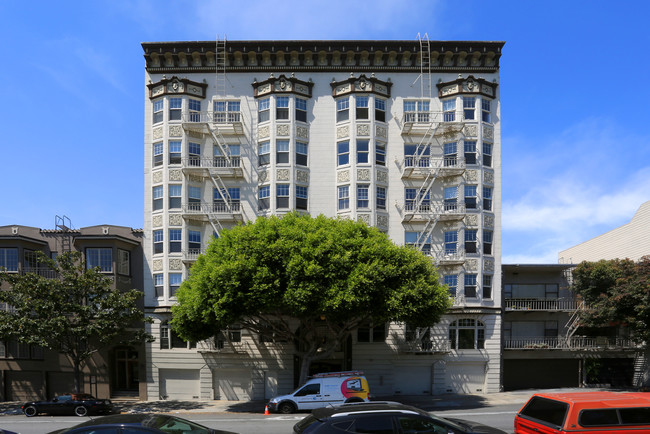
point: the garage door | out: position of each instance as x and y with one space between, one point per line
412 380
465 377
233 384
24 385
548 373
179 384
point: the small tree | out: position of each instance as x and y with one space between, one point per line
329 275
76 313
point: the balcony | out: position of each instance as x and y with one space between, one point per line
213 166
423 346
450 257
41 271
540 304
420 166
582 343
425 211
191 255
228 123
438 124
214 345
228 211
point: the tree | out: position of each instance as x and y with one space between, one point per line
75 311
616 292
328 275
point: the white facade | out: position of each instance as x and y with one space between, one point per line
402 135
632 241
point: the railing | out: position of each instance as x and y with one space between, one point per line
540 304
423 117
443 209
450 256
425 346
41 271
213 345
434 163
214 117
212 162
574 343
212 208
192 254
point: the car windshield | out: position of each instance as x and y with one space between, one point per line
173 424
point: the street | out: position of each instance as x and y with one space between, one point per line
498 416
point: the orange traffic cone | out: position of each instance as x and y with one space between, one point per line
266 411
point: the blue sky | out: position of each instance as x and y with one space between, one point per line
575 94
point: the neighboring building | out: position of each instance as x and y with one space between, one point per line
541 334
632 241
402 135
28 372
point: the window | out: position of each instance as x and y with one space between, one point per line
194 241
362 196
301 110
158 111
100 257
343 153
309 389
487 242
487 286
157 154
159 285
381 197
174 152
282 196
263 107
175 106
485 110
165 331
362 151
451 198
417 155
301 153
264 197
380 153
469 108
227 111
416 111
282 108
194 198
451 280
175 196
470 197
158 197
282 151
487 154
195 110
123 262
158 241
467 333
470 286
362 107
194 151
450 158
487 198
417 200
9 259
175 280
342 110
226 200
264 153
380 110
419 241
451 240
344 197
449 110
470 241
371 333
175 240
470 152
301 197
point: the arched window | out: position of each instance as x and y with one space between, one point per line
467 333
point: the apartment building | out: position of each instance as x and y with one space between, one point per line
28 372
402 135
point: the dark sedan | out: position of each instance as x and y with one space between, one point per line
139 423
80 404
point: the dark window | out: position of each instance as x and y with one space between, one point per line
301 110
380 110
301 153
362 107
282 107
418 425
487 154
309 389
546 410
598 417
373 424
635 416
282 151
175 105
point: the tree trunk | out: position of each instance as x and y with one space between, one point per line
76 365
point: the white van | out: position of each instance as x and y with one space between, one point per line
321 390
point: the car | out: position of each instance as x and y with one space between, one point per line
139 423
384 418
80 404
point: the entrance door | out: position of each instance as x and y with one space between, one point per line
126 369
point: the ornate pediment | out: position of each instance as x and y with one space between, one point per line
282 84
361 84
177 86
468 85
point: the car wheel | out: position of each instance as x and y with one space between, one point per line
80 410
30 411
286 408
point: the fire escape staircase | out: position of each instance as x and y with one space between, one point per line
573 324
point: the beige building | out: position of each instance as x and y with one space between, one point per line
402 135
632 241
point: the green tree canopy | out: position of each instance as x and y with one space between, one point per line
74 311
331 275
616 292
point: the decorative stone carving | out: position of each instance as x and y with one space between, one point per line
175 220
380 131
157 133
471 175
488 133
175 264
471 130
263 132
471 265
175 175
382 221
302 176
363 174
365 218
363 130
302 132
382 176
156 221
175 131
194 178
488 221
471 220
282 130
342 132
195 134
488 265
488 177
283 175
157 265
343 176
263 176
157 177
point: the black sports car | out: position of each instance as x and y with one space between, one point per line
80 404
139 423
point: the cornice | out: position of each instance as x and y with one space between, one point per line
361 84
322 56
282 84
